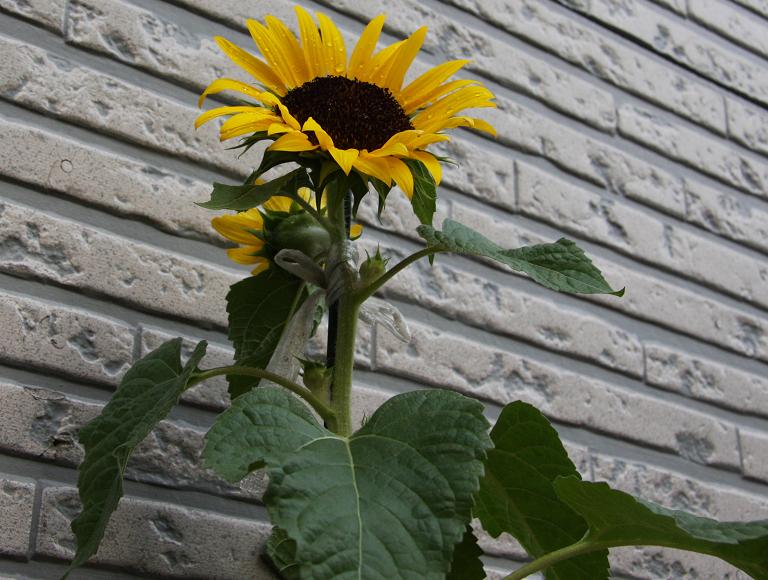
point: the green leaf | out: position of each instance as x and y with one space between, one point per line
467 564
617 519
517 494
146 395
392 500
424 200
560 266
281 553
259 308
261 427
250 194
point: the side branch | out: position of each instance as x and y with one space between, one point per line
324 411
365 293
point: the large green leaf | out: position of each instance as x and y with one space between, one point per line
560 266
251 194
259 308
392 500
424 199
517 494
281 553
146 395
262 426
617 519
466 564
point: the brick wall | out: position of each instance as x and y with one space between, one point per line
638 128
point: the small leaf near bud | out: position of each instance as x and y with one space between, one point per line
317 378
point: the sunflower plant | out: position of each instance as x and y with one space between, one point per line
393 498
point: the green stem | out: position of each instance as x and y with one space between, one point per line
322 409
583 546
365 293
344 364
321 219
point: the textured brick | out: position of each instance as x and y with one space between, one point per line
703 379
696 149
759 6
639 234
731 215
598 53
148 41
43 424
735 25
47 13
64 340
40 245
153 538
503 377
648 298
588 158
679 6
56 86
16 500
754 454
99 178
652 563
667 36
748 125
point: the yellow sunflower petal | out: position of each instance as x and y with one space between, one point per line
344 157
221 111
254 66
365 47
293 141
401 174
429 81
261 265
333 46
310 43
277 55
374 166
435 94
245 255
230 85
290 46
427 139
404 59
289 119
246 123
276 128
391 149
278 203
464 98
355 231
323 138
380 64
237 228
431 162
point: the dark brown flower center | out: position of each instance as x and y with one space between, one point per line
356 114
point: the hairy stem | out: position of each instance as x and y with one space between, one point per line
322 409
365 293
581 547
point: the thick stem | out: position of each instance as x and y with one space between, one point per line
322 409
342 317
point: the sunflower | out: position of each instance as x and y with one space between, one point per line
355 111
278 224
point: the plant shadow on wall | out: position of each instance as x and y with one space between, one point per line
393 499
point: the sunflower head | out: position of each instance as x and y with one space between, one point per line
353 111
279 224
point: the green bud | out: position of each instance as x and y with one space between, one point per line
317 378
301 232
373 267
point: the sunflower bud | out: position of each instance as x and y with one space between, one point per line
317 378
301 232
372 268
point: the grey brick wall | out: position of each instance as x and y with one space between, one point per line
638 128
